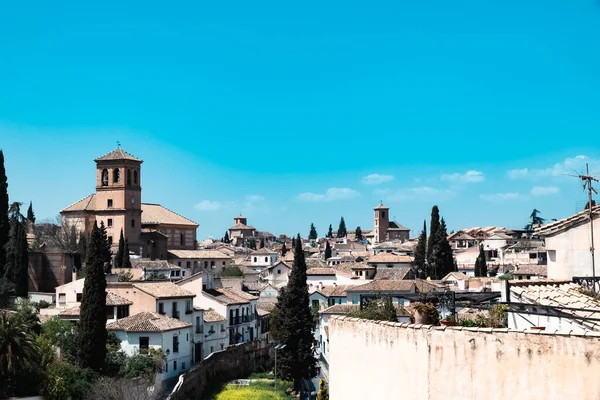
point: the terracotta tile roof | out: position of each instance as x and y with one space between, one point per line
334 291
383 273
199 254
266 305
320 271
255 286
88 203
147 322
71 312
531 269
460 235
118 154
424 286
566 223
213 316
162 215
381 207
559 294
342 309
389 258
264 250
229 296
162 290
239 226
262 313
395 226
456 275
384 286
113 299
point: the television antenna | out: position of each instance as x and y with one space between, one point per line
587 180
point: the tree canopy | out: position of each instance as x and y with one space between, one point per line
358 234
342 229
421 253
328 250
313 232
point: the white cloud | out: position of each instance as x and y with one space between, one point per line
468 177
376 179
544 190
208 205
571 165
330 194
502 197
418 193
254 197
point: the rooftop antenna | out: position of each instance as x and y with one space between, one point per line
118 144
587 180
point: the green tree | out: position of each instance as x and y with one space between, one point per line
421 253
377 310
120 251
313 232
226 237
327 250
283 250
536 220
92 336
294 325
4 222
480 263
442 259
330 232
17 252
105 252
323 394
251 243
30 213
434 226
262 243
342 229
293 243
126 263
359 235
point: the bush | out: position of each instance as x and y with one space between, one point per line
143 365
232 271
429 311
64 380
63 334
377 310
120 389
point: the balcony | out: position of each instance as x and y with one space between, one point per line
175 314
241 320
189 311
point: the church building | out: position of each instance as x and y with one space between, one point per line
150 229
388 230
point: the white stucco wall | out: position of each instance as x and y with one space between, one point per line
213 341
569 252
263 260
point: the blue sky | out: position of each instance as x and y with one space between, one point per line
300 113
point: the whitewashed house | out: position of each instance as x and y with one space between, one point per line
263 258
276 275
388 260
215 332
153 330
193 261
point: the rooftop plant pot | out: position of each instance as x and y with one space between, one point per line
447 323
538 328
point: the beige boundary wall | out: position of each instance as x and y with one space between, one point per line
386 360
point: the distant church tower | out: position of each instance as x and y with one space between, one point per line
119 196
382 223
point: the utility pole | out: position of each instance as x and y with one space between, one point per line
587 180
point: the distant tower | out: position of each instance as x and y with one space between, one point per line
119 196
240 220
382 223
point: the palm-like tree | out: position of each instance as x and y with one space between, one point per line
17 345
535 220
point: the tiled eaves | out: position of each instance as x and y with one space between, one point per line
406 325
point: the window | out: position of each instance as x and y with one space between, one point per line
212 263
188 264
188 306
255 259
211 349
182 273
128 177
181 239
175 343
104 177
174 311
205 264
222 328
135 177
132 223
354 299
109 203
109 222
116 175
183 365
221 346
179 263
199 325
166 367
79 296
174 365
383 214
278 272
223 263
144 342
122 312
266 259
110 240
161 308
110 312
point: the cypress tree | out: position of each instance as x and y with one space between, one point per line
294 325
82 246
119 255
421 253
342 229
434 226
327 250
447 260
106 248
30 213
330 232
359 235
92 324
313 232
262 243
4 223
283 250
126 262
480 263
226 237
293 243
17 256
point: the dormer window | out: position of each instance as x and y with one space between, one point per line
104 177
116 175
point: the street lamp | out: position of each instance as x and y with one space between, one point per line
278 347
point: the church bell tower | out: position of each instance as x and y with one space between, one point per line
382 223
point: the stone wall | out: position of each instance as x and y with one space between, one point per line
235 362
386 360
48 270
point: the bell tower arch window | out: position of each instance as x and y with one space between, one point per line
128 177
135 177
116 175
105 177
